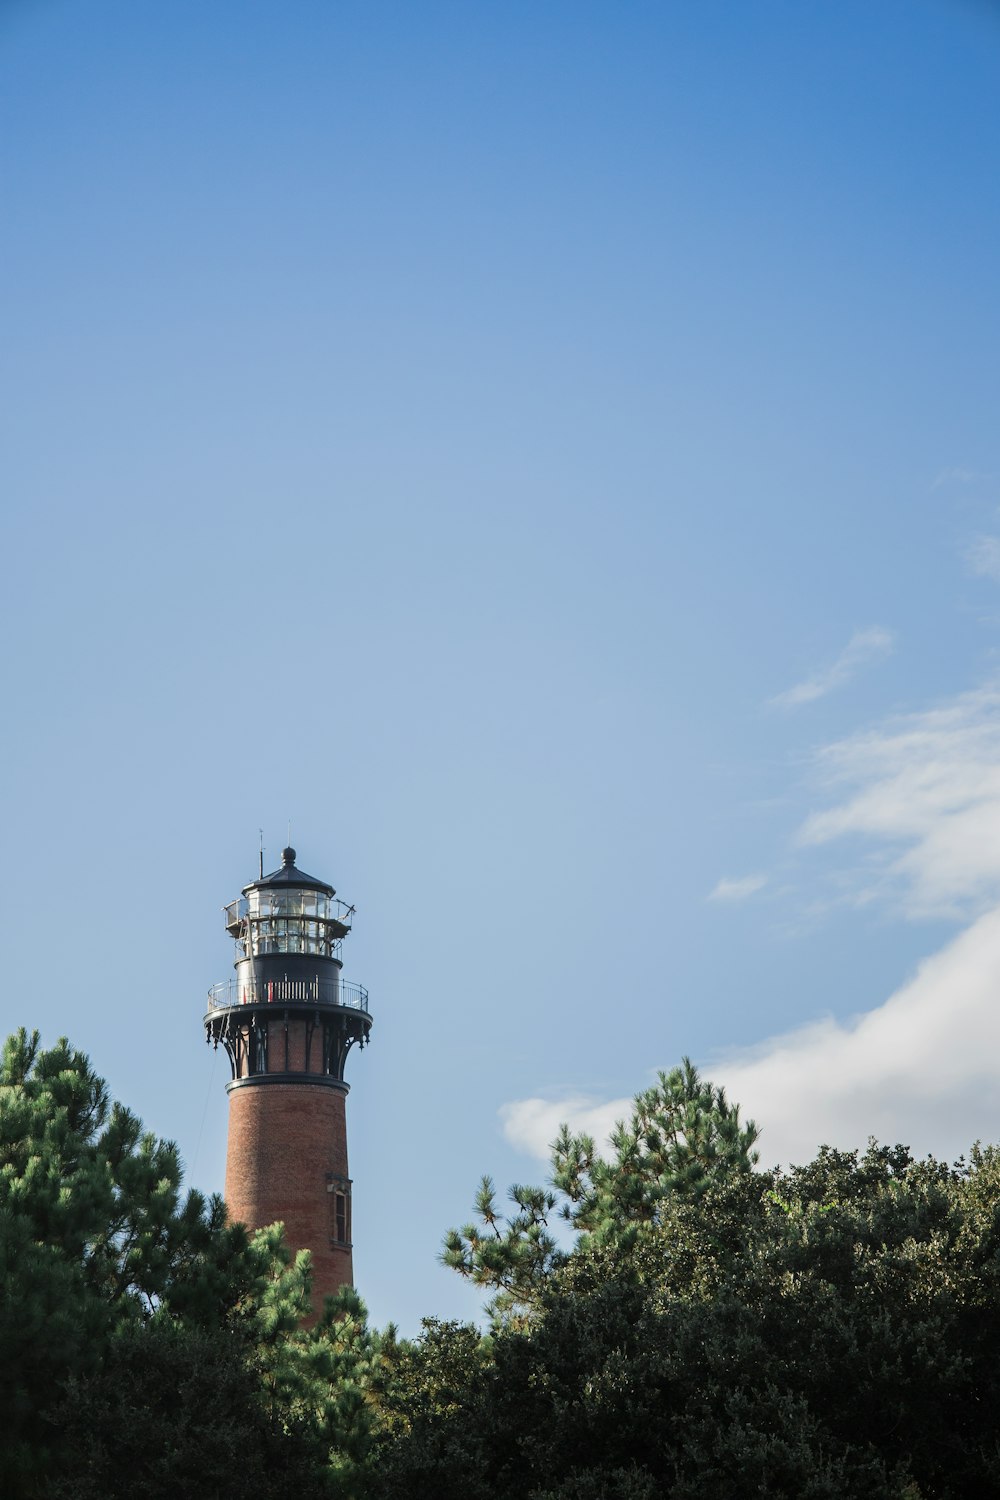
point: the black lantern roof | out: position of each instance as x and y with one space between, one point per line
287 876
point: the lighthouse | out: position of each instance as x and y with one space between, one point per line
287 1020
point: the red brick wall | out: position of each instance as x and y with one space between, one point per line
284 1141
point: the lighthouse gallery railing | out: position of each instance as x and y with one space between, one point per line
230 992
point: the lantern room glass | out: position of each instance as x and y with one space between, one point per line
288 903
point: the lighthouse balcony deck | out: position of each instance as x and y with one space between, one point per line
324 992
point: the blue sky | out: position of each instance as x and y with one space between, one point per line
549 455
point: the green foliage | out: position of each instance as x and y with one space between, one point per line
513 1254
683 1136
109 1273
174 1410
828 1332
315 1379
428 1377
92 1234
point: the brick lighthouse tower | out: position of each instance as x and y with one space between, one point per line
287 1021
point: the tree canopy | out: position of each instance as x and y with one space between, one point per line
827 1332
142 1334
702 1327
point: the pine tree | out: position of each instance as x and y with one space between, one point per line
103 1256
682 1136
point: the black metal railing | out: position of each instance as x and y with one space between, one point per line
230 992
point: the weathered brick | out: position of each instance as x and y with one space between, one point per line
287 1160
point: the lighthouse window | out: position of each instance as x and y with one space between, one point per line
289 904
339 1189
284 934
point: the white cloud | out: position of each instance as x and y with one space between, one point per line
737 890
921 1069
983 557
922 795
533 1124
865 646
925 788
